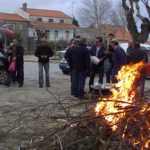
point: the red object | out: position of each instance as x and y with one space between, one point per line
12 66
147 67
9 32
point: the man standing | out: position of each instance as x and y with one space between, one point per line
119 59
16 53
43 52
98 51
81 67
137 56
68 57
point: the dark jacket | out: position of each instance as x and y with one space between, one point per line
43 50
81 59
19 53
100 55
119 58
137 56
68 56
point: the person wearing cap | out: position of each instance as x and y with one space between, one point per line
80 67
119 59
43 52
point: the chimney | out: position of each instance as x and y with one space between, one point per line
24 6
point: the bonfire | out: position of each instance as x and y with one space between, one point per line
125 111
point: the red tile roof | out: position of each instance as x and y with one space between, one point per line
53 25
47 13
120 32
11 17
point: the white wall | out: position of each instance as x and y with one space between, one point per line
61 35
22 13
32 32
46 19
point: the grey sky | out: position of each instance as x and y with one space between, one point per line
62 5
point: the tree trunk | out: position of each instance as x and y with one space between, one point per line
137 36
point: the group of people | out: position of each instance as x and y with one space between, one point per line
80 61
82 65
15 53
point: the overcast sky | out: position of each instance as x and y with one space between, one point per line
62 5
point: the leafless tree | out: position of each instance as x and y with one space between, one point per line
118 16
131 8
95 11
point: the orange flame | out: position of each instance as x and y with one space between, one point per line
123 96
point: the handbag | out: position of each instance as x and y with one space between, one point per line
12 66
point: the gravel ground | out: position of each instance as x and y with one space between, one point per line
21 105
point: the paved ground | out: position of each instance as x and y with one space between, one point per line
14 102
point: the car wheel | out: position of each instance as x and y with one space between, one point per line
65 72
3 76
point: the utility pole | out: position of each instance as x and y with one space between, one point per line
72 9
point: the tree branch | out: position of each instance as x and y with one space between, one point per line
145 2
138 14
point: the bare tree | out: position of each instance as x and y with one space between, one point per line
118 16
142 34
95 11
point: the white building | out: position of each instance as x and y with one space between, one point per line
56 24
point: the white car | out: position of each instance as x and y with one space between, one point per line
144 46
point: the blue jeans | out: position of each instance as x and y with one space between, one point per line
46 68
79 83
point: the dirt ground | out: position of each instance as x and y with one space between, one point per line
25 111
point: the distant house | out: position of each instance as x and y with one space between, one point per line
56 24
91 32
18 24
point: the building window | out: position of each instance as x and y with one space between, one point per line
61 21
21 27
39 19
50 20
67 34
13 26
56 34
47 33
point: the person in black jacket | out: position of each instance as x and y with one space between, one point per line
119 59
98 51
137 56
43 52
68 57
16 53
81 67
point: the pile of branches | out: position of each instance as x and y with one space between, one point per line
83 129
91 132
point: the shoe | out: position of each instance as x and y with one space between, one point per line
7 85
40 86
20 85
48 86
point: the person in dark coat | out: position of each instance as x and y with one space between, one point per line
16 53
109 58
137 56
43 52
98 51
81 67
119 59
129 51
68 56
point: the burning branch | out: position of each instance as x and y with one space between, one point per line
132 125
